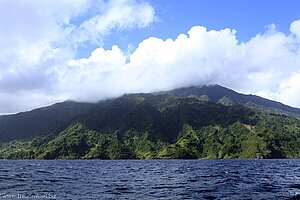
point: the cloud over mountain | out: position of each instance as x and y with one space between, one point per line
40 40
39 36
268 64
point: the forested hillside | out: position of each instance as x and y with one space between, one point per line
180 124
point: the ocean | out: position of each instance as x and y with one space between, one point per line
150 179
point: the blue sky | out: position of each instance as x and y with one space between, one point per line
88 50
247 17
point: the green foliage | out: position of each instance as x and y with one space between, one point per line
204 98
16 150
79 142
40 122
226 101
217 92
187 146
175 151
281 134
160 126
235 141
142 144
98 143
70 144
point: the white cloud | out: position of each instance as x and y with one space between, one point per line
39 40
39 36
295 28
115 14
264 65
24 100
289 89
90 79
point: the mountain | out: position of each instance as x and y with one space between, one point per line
162 115
40 121
193 122
217 92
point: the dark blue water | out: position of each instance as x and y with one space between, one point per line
153 179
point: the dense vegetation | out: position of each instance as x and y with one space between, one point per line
217 92
188 125
51 119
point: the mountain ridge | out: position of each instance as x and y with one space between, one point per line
39 121
53 119
219 91
188 123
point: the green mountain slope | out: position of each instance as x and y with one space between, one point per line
274 136
161 115
217 92
180 124
42 121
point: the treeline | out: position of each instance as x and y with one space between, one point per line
273 136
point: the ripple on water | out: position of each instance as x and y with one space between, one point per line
157 179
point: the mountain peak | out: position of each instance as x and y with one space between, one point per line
216 92
50 119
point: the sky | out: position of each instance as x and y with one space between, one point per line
89 50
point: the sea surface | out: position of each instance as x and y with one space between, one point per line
150 179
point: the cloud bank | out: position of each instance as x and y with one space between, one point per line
37 37
38 64
268 65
